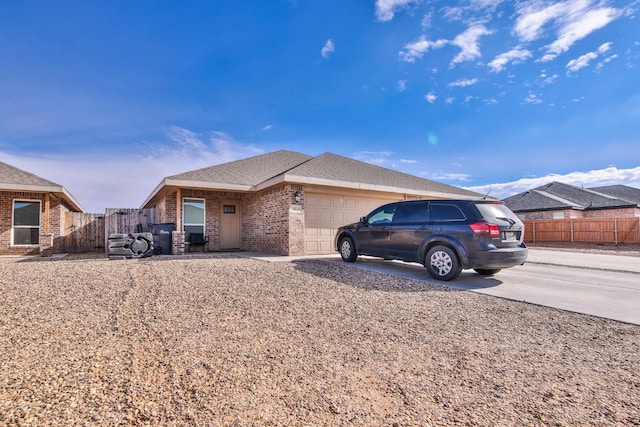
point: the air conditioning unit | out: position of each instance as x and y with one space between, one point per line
135 245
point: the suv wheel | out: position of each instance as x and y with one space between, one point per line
347 249
442 263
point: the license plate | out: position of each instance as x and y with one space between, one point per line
509 235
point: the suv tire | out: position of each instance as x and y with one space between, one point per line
348 249
442 263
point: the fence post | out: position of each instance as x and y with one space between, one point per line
533 229
615 230
571 221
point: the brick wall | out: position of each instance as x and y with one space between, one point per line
265 223
166 210
271 221
56 223
296 221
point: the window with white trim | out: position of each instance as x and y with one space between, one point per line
193 213
26 222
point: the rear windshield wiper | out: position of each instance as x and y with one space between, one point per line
504 218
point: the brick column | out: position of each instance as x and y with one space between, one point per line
46 244
177 243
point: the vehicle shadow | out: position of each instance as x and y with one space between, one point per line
394 276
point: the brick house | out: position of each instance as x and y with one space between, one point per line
32 211
282 202
557 200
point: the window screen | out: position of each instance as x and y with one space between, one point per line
26 223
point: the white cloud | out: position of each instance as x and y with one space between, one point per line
408 161
328 49
102 180
514 56
419 47
468 42
386 9
605 61
532 98
449 100
373 157
401 86
463 82
572 20
431 97
578 28
267 127
426 21
581 62
546 79
584 60
450 177
593 178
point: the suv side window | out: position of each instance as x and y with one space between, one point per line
411 213
442 212
383 215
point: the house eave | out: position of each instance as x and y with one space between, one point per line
57 190
166 184
360 186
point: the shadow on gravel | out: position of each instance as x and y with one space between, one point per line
390 276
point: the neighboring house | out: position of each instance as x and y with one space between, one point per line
32 211
557 200
282 202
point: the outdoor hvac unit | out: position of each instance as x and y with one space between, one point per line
136 245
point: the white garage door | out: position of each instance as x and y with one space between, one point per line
324 213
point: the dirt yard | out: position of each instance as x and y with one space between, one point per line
229 341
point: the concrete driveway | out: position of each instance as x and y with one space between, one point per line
600 285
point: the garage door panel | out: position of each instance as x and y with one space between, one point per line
324 214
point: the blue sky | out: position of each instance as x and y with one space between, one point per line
108 97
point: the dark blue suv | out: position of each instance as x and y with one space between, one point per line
446 236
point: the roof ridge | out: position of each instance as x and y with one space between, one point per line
556 198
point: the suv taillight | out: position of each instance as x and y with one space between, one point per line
485 228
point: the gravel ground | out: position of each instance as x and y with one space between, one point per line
229 341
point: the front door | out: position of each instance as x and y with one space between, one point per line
230 225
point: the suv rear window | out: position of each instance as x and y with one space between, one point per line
446 213
494 210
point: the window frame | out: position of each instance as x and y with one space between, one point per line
14 226
193 224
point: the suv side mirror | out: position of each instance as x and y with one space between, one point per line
363 220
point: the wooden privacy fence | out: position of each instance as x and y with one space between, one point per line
583 230
83 232
90 232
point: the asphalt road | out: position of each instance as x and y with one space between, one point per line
600 285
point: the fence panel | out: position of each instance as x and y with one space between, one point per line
583 230
125 221
83 232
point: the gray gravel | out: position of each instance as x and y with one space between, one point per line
221 340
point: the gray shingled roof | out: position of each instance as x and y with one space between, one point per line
12 175
558 196
329 166
12 178
622 192
250 171
261 171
